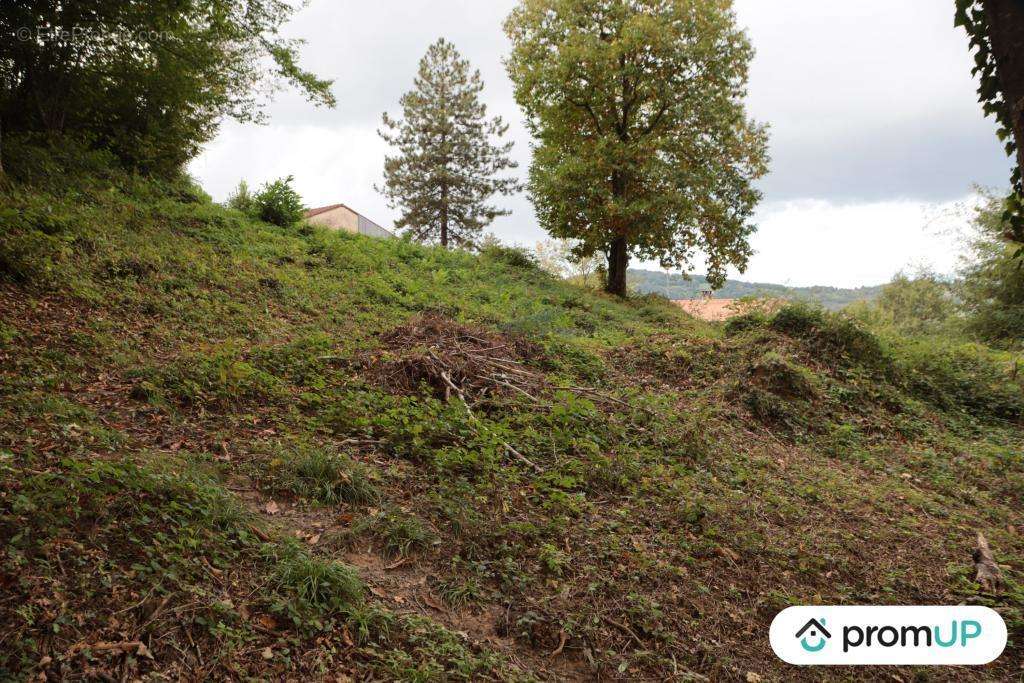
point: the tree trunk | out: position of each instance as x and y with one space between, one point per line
444 216
1006 31
618 260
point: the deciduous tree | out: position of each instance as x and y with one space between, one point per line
996 30
147 80
643 146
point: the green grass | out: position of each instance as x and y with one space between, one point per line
168 366
322 477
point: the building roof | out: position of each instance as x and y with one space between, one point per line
716 310
324 209
708 309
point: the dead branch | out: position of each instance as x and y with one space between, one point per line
519 456
986 571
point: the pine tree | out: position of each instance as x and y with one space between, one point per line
447 166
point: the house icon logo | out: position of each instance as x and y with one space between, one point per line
815 632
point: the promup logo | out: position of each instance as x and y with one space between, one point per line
888 635
817 631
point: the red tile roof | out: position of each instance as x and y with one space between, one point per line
324 209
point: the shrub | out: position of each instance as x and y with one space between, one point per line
242 200
782 378
835 335
745 322
966 376
515 257
279 203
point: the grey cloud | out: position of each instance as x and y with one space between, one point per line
867 101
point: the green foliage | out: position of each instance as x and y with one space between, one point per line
838 338
398 533
510 256
447 167
961 376
782 378
924 304
309 585
992 285
328 478
314 474
277 202
642 135
149 82
241 199
221 377
973 16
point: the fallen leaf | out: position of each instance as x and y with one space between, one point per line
432 602
271 507
266 621
267 653
143 651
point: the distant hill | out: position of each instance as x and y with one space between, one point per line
675 287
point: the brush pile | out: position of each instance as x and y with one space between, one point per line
454 360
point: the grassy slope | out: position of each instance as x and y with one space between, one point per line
213 443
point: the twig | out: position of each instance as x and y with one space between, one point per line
465 404
986 571
522 391
594 392
562 640
624 628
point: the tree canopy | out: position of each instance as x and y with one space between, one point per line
148 80
992 284
447 166
996 30
643 145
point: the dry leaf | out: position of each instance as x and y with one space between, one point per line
271 507
267 653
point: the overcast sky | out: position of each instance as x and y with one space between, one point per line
876 134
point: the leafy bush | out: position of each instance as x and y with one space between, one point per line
279 203
511 256
241 199
745 322
782 378
922 304
966 376
992 288
833 334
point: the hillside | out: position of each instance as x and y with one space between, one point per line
673 286
230 450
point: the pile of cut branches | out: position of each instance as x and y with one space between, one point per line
454 360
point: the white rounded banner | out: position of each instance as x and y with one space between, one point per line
836 635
